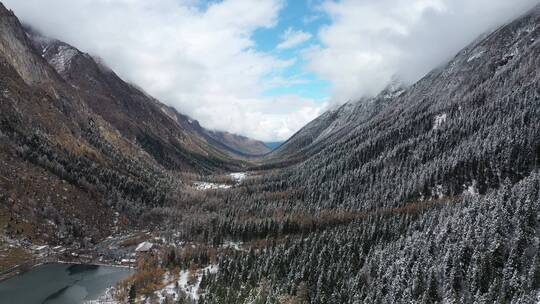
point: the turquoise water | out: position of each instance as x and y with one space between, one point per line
60 284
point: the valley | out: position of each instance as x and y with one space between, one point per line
423 193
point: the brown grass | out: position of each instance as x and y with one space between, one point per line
11 257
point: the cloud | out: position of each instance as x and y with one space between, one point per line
292 38
200 56
368 43
196 56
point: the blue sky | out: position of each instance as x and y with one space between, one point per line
307 17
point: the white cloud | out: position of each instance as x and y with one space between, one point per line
201 60
369 42
292 38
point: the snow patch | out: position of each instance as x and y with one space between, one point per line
233 245
394 94
438 191
106 298
182 285
210 186
239 176
476 55
472 189
44 51
62 60
439 120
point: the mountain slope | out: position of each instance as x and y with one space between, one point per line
427 195
432 198
451 127
64 168
171 139
329 127
79 145
232 144
240 144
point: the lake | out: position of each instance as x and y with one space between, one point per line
61 284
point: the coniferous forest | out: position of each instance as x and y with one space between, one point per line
425 193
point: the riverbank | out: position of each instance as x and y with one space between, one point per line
116 251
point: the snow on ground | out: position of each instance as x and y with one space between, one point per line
476 55
471 189
210 186
106 298
62 60
144 246
173 289
439 120
238 176
232 244
438 191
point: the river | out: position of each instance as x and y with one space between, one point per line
60 284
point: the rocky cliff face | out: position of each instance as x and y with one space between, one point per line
15 49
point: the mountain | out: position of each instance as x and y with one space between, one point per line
236 146
426 195
423 194
240 144
44 131
331 126
449 129
77 140
175 140
126 107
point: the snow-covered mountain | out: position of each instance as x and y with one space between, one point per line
332 125
430 195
